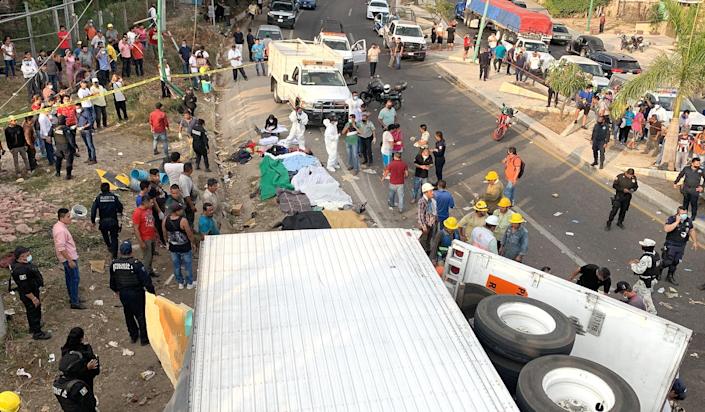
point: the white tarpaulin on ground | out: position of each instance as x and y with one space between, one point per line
321 188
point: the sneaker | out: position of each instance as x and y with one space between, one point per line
41 336
181 285
79 306
337 166
190 286
331 169
208 170
133 339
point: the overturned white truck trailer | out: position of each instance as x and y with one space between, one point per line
644 350
331 320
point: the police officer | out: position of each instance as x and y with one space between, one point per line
600 137
73 394
29 280
109 209
624 185
64 147
678 228
200 143
129 280
647 268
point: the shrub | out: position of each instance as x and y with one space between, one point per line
566 8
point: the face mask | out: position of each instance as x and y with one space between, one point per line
78 110
684 216
354 97
29 258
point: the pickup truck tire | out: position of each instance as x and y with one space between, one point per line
472 295
507 369
551 381
522 329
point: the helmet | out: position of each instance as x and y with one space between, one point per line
387 88
504 202
451 223
492 220
480 206
516 218
9 402
491 175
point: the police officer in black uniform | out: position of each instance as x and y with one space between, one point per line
200 143
624 185
29 280
600 137
109 209
679 229
129 280
73 394
64 146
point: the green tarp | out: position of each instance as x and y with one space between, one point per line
273 174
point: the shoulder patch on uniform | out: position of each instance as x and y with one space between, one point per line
23 277
83 391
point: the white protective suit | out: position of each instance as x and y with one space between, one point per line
297 134
330 136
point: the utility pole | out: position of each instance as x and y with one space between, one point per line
161 25
29 30
590 15
483 21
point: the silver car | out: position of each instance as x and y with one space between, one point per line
561 35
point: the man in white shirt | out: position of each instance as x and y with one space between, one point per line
210 196
235 58
174 168
152 13
535 63
193 68
189 192
29 69
483 236
87 104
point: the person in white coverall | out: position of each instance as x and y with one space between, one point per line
331 136
354 106
297 134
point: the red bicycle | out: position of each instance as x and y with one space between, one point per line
504 121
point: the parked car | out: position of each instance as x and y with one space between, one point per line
283 13
411 36
665 98
374 7
307 4
599 81
274 32
616 63
561 35
585 45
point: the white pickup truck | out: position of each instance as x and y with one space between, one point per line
411 36
530 45
310 75
352 55
644 350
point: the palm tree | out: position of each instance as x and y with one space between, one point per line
684 70
567 79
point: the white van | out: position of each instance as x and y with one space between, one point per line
599 81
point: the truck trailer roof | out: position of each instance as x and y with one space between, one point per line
294 321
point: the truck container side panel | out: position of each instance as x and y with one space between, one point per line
295 321
513 17
628 340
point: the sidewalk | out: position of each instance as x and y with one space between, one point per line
574 142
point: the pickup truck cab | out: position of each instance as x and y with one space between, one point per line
411 36
352 55
283 13
665 99
530 46
380 22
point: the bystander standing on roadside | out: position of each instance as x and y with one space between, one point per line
119 98
145 230
427 220
513 170
439 154
16 143
66 252
9 54
444 201
396 172
422 163
692 185
180 239
159 124
257 55
499 53
515 242
485 59
373 58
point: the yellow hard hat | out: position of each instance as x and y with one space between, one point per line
504 202
9 402
451 223
491 175
516 218
480 206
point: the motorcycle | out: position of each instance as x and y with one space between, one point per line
639 43
380 92
504 121
626 43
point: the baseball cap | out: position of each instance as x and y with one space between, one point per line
622 286
174 207
126 247
94 80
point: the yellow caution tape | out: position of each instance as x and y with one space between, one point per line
111 92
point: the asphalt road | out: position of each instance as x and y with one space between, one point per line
561 242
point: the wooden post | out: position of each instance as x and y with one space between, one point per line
75 32
55 12
124 17
29 30
100 20
67 21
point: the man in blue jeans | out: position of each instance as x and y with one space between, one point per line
396 172
180 238
66 252
350 132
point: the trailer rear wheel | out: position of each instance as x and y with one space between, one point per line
560 383
521 328
472 295
507 369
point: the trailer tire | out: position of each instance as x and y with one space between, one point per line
507 369
472 295
545 383
521 328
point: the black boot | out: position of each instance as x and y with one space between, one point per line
608 226
702 287
671 278
68 173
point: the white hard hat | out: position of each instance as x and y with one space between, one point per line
492 220
647 243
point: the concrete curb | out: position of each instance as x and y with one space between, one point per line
645 192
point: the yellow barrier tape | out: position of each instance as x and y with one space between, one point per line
20 116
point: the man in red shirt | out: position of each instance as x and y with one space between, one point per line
159 124
138 57
64 40
145 231
397 171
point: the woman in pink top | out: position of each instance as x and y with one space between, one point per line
637 128
70 67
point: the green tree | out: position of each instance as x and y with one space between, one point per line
444 9
684 70
567 79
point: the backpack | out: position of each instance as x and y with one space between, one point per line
521 169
